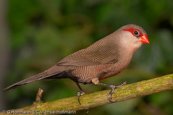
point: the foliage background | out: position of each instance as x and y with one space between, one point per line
43 32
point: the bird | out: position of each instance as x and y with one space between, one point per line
103 59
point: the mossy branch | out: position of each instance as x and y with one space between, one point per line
99 98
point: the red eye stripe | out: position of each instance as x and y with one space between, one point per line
132 29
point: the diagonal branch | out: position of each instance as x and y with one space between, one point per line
99 98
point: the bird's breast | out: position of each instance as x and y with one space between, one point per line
114 69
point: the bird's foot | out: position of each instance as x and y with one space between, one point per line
80 94
112 90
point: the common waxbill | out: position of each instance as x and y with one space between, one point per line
103 59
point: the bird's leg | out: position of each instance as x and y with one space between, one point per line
96 82
112 90
79 93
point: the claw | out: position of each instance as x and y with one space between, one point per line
112 90
124 83
110 95
80 94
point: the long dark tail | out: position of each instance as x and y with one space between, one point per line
39 76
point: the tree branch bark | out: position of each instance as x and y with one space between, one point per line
99 98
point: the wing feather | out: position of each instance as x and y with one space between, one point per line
97 54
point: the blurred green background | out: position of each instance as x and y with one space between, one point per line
41 32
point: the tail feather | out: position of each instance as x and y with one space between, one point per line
39 76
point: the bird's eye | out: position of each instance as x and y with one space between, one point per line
136 33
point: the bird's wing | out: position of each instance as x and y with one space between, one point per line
77 61
96 54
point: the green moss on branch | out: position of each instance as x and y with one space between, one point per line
99 98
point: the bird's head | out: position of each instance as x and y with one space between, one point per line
137 32
134 35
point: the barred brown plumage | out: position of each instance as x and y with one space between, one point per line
105 58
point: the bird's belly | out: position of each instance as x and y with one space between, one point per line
114 70
85 74
110 74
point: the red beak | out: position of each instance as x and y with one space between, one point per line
144 39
